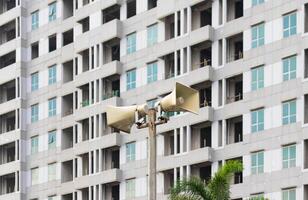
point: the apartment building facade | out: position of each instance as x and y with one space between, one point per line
63 61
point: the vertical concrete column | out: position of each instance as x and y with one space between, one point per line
182 20
224 11
181 173
95 56
100 192
175 63
181 140
188 132
79 132
90 192
182 61
100 89
95 92
175 141
100 167
175 175
79 93
94 162
224 132
188 171
90 162
189 67
224 51
90 92
189 19
90 58
101 54
79 166
17 87
224 99
94 192
176 24
74 169
100 125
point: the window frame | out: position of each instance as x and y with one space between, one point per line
131 77
258 125
34 140
52 171
52 11
52 135
258 40
131 43
152 72
287 72
289 161
287 116
36 170
52 74
287 191
34 113
258 83
288 29
257 168
34 81
130 188
130 151
34 20
152 34
52 107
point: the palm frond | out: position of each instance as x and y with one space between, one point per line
190 189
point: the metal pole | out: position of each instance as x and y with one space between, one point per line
152 154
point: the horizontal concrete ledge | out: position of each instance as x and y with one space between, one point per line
192 157
11 196
112 68
167 7
97 108
108 176
106 141
103 33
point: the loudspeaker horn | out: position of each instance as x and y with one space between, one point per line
182 98
123 118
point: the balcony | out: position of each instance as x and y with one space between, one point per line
234 130
234 89
194 157
8 91
8 153
8 184
7 32
7 59
7 122
101 34
105 177
6 5
234 48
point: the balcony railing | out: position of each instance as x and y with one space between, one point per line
114 93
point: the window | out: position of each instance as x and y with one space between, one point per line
35 20
131 43
289 24
289 68
257 162
289 156
257 35
257 78
131 79
52 107
257 2
34 176
152 34
52 197
289 194
34 50
257 120
34 81
151 103
52 74
289 112
52 172
130 188
52 42
52 138
257 196
34 144
34 113
152 72
130 151
52 15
